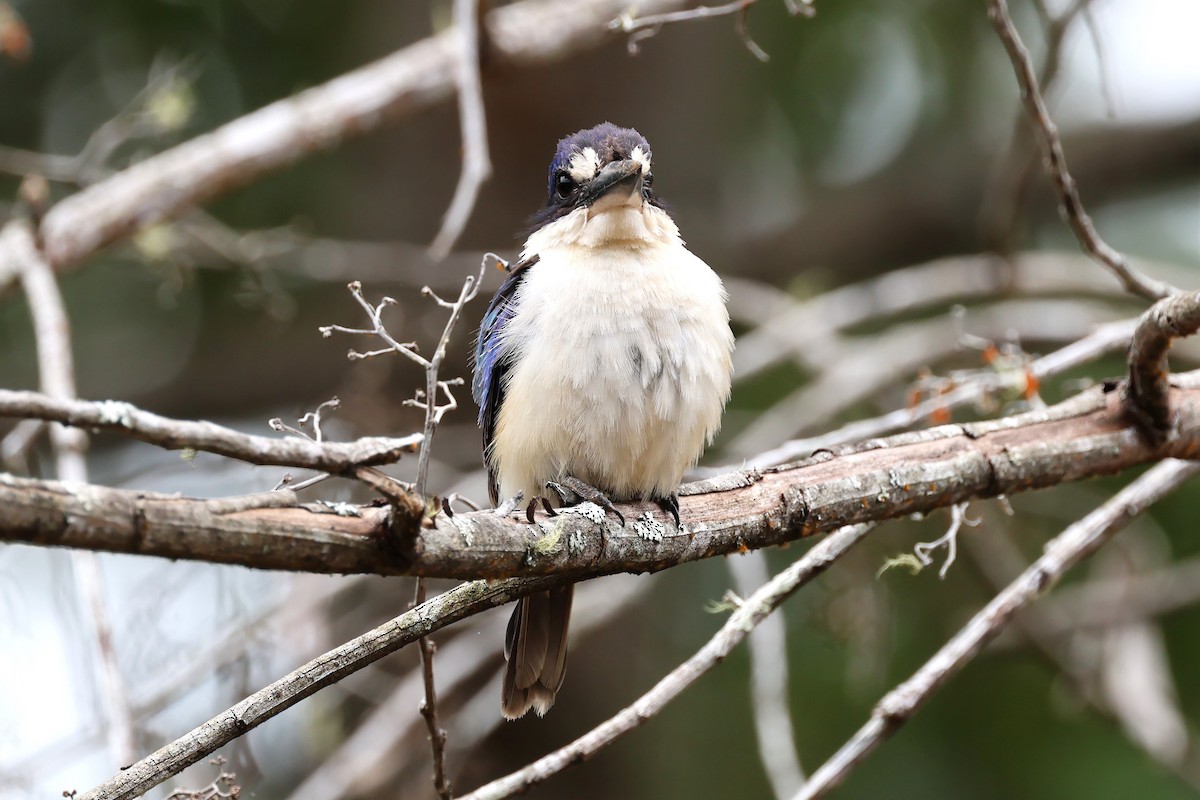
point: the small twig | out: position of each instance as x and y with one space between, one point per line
1056 163
741 622
477 167
429 706
1016 168
1146 392
1070 547
642 28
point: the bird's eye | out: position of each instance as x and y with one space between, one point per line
563 184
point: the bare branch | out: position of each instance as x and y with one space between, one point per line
1146 393
1056 163
1070 547
56 368
880 479
642 27
769 683
173 434
1104 339
477 167
429 707
741 622
458 603
529 33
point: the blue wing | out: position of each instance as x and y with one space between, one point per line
492 364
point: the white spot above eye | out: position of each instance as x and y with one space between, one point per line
640 156
584 165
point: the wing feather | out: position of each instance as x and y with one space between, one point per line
492 362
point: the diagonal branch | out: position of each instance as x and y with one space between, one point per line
752 611
1056 163
477 167
1069 548
325 670
412 80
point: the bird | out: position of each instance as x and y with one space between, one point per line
602 368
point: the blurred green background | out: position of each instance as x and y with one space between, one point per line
876 138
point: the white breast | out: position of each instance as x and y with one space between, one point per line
622 369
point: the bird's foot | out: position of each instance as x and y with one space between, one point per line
670 505
571 492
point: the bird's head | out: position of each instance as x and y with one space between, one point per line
601 191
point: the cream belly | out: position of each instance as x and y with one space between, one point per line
622 370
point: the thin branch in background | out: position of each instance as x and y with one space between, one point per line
1056 163
56 369
477 167
744 619
1066 550
175 434
1003 201
164 106
642 28
1104 339
1146 393
17 443
769 682
1055 628
429 706
458 603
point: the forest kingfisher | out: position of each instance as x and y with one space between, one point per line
601 369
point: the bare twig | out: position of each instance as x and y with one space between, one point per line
1015 169
477 167
429 707
642 27
173 434
1146 392
741 622
769 683
1070 547
1056 163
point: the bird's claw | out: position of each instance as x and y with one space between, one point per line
572 491
671 506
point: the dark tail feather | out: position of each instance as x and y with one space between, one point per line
536 649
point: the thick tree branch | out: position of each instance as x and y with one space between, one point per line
534 32
1084 437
